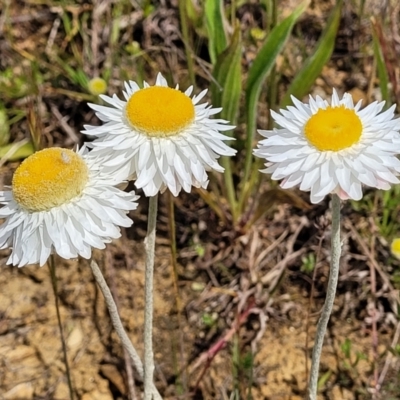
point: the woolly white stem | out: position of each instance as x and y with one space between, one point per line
330 298
117 324
148 300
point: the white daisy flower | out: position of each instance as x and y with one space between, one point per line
333 147
61 202
159 136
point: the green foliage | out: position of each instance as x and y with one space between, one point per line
388 223
395 278
199 249
4 127
226 90
259 70
312 67
209 320
385 207
16 84
396 350
215 20
308 263
75 74
346 348
17 151
324 378
381 66
227 84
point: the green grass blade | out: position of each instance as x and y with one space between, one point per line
226 90
214 14
183 17
312 67
381 65
16 151
4 127
227 86
260 69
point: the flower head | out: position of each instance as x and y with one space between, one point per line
61 201
159 136
97 86
395 247
333 147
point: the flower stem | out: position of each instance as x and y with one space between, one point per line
116 321
52 267
330 298
148 299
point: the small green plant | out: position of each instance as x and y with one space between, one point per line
385 207
349 369
308 263
200 249
237 96
209 320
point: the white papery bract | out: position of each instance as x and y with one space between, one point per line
159 136
61 202
333 147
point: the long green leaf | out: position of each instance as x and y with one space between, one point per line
214 14
16 151
4 127
226 91
260 69
312 67
380 64
227 85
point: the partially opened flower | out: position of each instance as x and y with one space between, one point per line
159 136
61 201
333 147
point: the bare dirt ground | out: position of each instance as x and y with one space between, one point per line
239 322
275 328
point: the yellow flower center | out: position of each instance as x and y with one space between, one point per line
333 129
159 111
49 178
395 247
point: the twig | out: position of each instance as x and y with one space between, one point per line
275 274
52 267
52 35
389 357
63 123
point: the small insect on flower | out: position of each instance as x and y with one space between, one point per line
333 148
61 202
159 136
